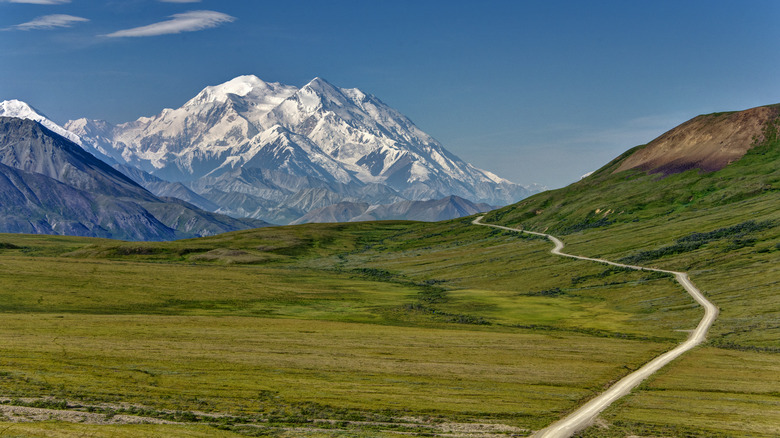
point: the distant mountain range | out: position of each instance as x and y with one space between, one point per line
266 152
277 152
50 185
322 154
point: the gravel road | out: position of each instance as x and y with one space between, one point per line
585 415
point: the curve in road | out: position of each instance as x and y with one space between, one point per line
585 415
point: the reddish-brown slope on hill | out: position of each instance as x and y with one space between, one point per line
707 142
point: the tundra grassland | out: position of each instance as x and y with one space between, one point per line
723 228
320 330
397 328
729 388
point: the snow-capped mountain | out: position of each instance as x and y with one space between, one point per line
212 130
22 110
320 135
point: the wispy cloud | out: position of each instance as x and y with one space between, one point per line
185 22
48 22
38 2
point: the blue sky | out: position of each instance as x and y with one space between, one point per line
535 91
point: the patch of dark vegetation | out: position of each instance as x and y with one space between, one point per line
532 236
695 241
136 250
610 271
740 243
656 275
185 251
654 254
376 274
498 215
586 224
428 293
734 231
6 245
432 294
726 345
498 232
590 332
554 292
446 316
300 248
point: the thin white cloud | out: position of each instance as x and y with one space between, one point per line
185 22
49 22
39 2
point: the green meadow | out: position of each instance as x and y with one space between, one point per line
384 329
403 328
336 330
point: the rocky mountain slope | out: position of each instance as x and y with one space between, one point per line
52 186
708 142
290 140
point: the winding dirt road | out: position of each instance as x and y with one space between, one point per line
585 415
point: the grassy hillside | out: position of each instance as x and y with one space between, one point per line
608 197
722 227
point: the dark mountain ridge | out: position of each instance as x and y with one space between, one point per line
52 186
29 146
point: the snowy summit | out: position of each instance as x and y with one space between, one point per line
22 110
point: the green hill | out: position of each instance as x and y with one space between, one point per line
621 193
723 227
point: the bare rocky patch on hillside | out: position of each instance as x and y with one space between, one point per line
708 142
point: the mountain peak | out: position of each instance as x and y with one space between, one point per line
322 87
318 82
23 110
242 85
321 92
246 86
17 106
